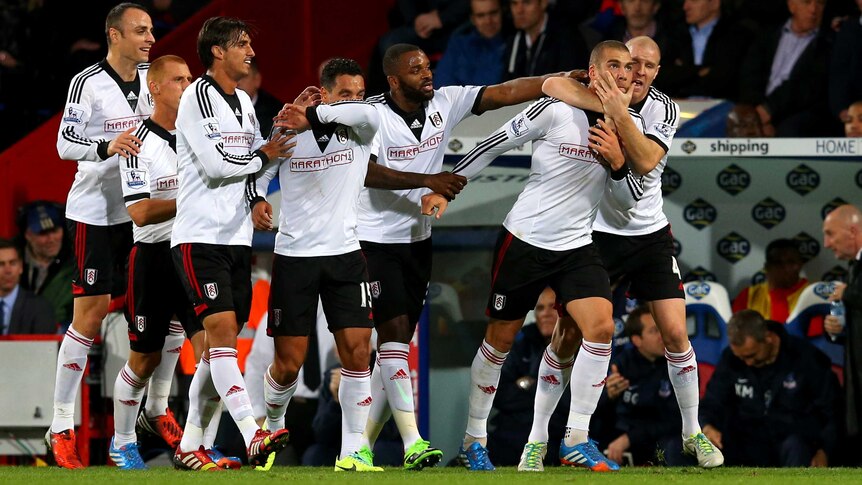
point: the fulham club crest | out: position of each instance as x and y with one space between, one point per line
211 290
141 322
91 275
375 289
499 301
436 119
341 134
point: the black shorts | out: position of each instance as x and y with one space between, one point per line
155 296
646 263
399 276
341 283
216 277
100 254
522 271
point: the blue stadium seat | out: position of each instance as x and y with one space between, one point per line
813 302
707 310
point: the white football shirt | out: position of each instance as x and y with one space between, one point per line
99 106
394 216
152 174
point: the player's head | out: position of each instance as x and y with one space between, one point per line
647 61
224 43
643 332
853 120
129 31
783 263
842 232
612 56
546 313
751 341
408 71
340 80
167 78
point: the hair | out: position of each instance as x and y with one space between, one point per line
781 244
634 321
337 67
393 54
601 47
744 324
222 32
8 244
115 16
157 67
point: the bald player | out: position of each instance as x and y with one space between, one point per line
636 245
155 295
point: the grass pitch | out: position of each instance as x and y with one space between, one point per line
454 476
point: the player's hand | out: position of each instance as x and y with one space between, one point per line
125 144
819 460
309 96
838 291
714 435
580 75
334 383
615 384
604 143
261 216
434 205
281 146
446 184
292 117
618 447
614 101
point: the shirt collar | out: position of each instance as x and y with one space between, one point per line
785 29
10 298
706 29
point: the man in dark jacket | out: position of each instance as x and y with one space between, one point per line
542 44
842 233
647 413
21 312
772 400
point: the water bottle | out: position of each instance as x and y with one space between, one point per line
836 309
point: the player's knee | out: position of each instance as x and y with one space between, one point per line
355 355
284 371
144 364
599 331
676 339
397 329
565 342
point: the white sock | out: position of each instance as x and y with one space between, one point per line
553 378
379 411
399 389
71 362
276 397
128 392
160 383
231 387
211 430
588 379
203 401
354 394
484 379
682 369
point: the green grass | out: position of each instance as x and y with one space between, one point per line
454 476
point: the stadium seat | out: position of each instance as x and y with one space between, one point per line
707 310
813 303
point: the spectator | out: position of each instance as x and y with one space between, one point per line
784 73
21 312
842 233
266 106
743 122
703 57
647 413
475 57
772 400
639 18
48 266
517 391
853 120
542 44
775 298
846 68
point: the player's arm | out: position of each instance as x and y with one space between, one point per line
135 181
528 125
624 187
513 92
572 92
362 117
261 209
381 177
